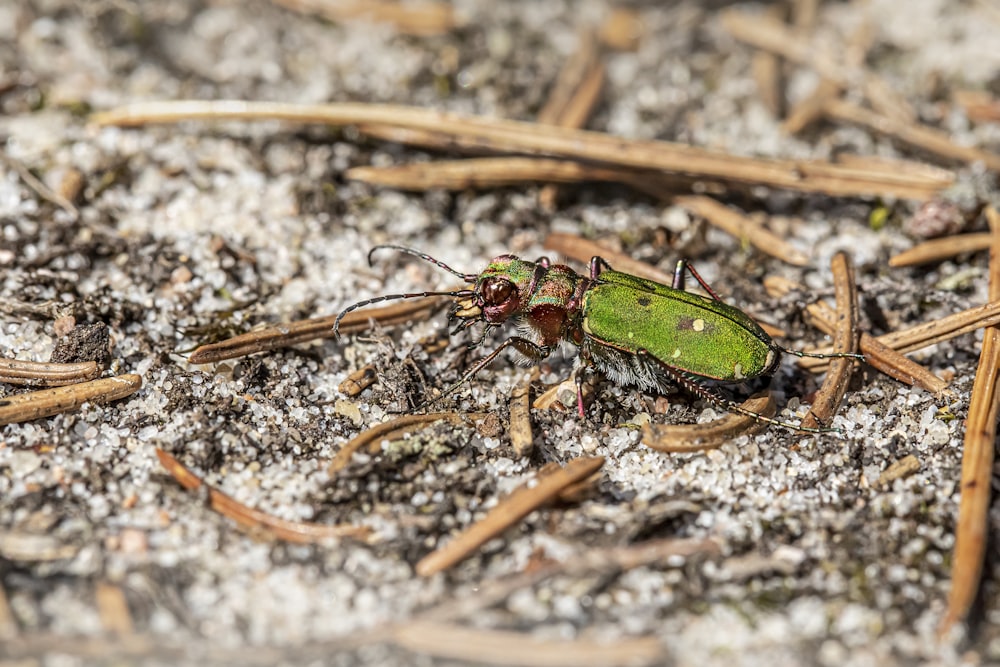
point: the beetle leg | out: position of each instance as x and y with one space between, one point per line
598 264
678 282
526 347
694 387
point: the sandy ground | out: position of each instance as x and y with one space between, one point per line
186 233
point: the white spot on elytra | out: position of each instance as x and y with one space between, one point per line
738 371
676 353
698 324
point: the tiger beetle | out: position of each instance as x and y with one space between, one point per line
633 330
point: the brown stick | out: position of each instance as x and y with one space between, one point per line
521 439
929 333
845 341
776 37
497 172
46 374
508 511
572 99
877 355
978 105
275 337
48 402
376 434
977 461
581 249
300 532
112 607
474 645
743 228
687 438
424 18
920 136
941 249
513 136
358 381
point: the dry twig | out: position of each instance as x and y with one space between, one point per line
285 335
877 354
923 335
573 97
660 552
46 374
373 437
301 532
358 381
508 136
979 105
582 250
8 624
904 467
687 438
112 607
977 461
767 71
845 341
494 172
916 135
776 37
39 188
941 249
521 439
48 402
508 512
742 227
424 18
473 645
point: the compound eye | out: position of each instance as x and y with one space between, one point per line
497 291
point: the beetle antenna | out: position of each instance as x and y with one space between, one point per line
467 277
390 297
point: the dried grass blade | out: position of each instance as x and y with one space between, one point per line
977 461
845 341
508 512
930 333
521 439
941 249
300 532
472 645
743 228
572 100
877 355
276 337
112 607
776 37
919 136
582 250
479 173
48 402
425 18
978 105
8 624
687 438
46 374
507 136
390 429
358 381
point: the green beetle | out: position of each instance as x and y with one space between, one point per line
633 330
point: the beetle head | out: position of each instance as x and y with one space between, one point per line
503 286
